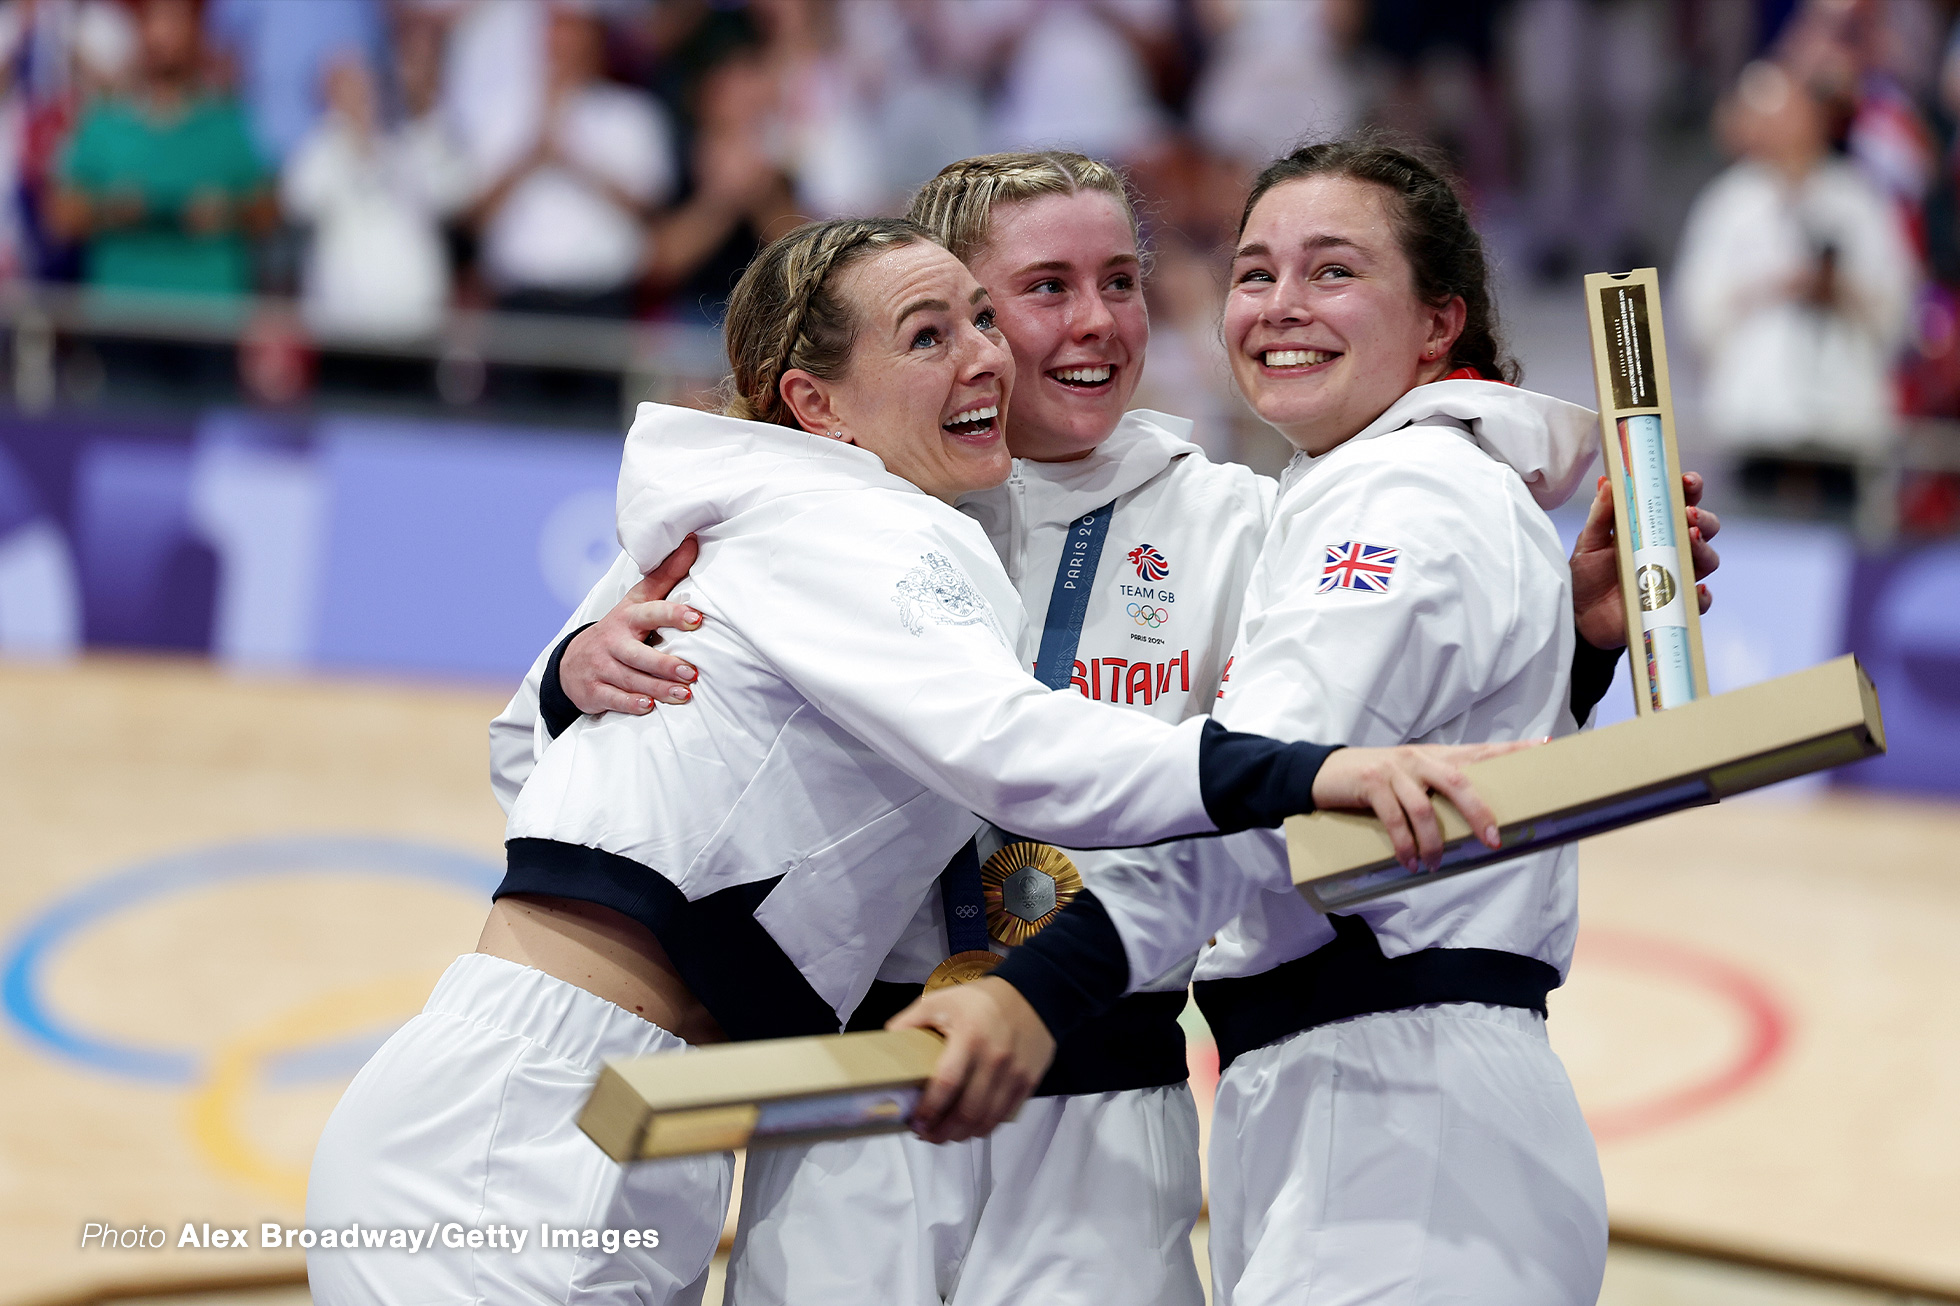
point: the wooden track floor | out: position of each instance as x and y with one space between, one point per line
220 893
109 765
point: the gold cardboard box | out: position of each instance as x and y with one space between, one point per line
1599 780
767 1093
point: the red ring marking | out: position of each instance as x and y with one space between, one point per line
1767 1028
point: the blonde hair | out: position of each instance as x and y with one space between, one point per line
957 206
784 314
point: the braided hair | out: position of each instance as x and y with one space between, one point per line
1446 256
785 314
957 206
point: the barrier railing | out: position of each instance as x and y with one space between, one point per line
277 350
53 332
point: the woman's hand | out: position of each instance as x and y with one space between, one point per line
610 666
1394 783
997 1050
1597 602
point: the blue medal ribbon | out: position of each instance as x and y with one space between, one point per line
966 908
1068 607
1068 602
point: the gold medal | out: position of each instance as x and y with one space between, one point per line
961 968
1025 884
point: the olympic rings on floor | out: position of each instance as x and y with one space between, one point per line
237 1068
39 941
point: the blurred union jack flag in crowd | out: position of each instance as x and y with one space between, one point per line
1358 566
1150 564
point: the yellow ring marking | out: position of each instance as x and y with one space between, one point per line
212 1112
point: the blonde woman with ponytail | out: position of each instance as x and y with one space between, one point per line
1090 1194
741 869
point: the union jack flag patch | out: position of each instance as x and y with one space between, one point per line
1358 566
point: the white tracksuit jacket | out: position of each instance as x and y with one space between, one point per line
861 696
1196 522
1003 1219
1162 610
1470 640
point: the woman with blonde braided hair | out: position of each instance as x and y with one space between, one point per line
740 870
1054 237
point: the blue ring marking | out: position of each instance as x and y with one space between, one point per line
32 947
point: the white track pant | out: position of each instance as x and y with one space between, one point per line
1435 1155
1081 1201
468 1116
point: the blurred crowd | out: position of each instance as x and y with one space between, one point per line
383 161
1817 273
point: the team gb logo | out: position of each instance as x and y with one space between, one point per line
1149 563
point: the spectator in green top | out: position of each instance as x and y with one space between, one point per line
163 185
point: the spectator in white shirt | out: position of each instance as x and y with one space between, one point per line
377 267
564 224
1074 74
1275 73
1796 286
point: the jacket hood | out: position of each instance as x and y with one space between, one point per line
685 470
1144 443
1548 442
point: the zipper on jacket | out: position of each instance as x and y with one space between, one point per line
1017 553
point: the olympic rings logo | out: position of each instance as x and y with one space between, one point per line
1145 615
322 1039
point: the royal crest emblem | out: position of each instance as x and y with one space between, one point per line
1149 563
937 591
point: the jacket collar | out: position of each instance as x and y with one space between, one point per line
685 470
1548 442
1142 446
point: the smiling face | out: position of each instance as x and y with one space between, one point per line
1065 280
928 378
1323 324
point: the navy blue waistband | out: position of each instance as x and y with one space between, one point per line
1137 1043
729 962
1350 977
